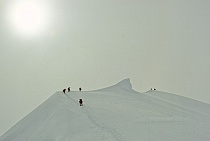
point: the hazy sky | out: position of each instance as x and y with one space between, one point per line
48 45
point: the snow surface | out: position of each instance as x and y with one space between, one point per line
115 113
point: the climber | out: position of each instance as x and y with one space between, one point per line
68 89
80 102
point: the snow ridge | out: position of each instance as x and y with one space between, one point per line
115 113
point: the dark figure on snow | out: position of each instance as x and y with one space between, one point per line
80 89
64 91
68 89
154 89
80 102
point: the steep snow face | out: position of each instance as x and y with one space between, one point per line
115 113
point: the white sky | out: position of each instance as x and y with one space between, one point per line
162 44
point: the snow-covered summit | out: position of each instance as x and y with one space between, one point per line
122 85
115 113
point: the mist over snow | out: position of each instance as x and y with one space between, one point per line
115 113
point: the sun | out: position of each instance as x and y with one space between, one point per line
28 18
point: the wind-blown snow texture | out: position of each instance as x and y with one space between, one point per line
116 113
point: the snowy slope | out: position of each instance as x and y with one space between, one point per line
115 113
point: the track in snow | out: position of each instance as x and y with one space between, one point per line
104 132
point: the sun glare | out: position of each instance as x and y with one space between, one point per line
28 18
